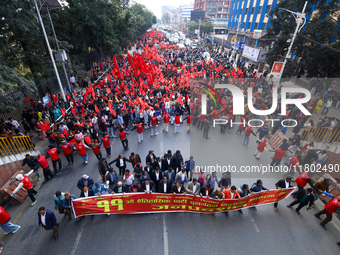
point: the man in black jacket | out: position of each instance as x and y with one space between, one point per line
156 176
178 188
134 159
86 192
148 186
120 163
112 178
151 157
166 162
119 188
158 163
148 168
282 184
303 197
164 186
102 168
177 161
33 163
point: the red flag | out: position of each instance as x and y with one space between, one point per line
83 111
65 132
27 99
48 104
88 140
73 141
108 91
113 112
81 124
43 126
74 111
124 106
63 112
96 108
55 98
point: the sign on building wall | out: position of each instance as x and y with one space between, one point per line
277 67
251 53
257 34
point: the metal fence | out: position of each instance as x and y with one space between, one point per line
41 85
15 145
321 134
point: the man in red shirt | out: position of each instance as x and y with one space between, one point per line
123 139
24 182
278 156
67 150
177 123
189 121
139 128
53 153
154 125
6 224
260 148
332 207
96 149
45 167
166 122
107 145
293 164
82 151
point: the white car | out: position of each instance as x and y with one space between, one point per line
194 45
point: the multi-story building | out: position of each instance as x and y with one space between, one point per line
213 9
186 12
250 15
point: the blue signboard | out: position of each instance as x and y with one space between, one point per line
46 99
238 45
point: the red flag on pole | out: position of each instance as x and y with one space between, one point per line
43 126
108 91
74 111
55 98
96 108
63 112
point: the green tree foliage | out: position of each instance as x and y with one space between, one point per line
322 27
85 26
206 26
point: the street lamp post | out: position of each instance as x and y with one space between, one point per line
298 17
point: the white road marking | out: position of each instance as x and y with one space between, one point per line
165 237
254 223
213 137
76 243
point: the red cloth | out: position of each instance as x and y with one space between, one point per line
66 148
279 153
96 149
43 162
54 154
106 141
302 179
4 216
27 184
189 119
177 120
166 118
154 121
139 128
261 146
215 114
122 135
81 149
331 207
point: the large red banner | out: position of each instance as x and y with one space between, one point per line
160 203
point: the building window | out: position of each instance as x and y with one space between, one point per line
269 7
256 25
252 10
218 15
224 16
226 3
264 26
246 11
219 9
259 10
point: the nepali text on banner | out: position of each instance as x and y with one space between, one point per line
160 203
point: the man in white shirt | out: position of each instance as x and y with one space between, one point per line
283 184
181 177
193 187
48 221
128 179
148 186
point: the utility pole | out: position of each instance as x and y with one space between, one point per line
199 30
56 40
51 54
237 28
298 17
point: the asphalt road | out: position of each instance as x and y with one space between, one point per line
257 232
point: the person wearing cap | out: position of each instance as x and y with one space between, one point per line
170 175
85 180
260 148
6 224
193 187
156 176
164 186
320 185
120 163
303 197
99 189
151 157
25 182
148 186
283 184
53 153
178 188
331 207
128 179
206 190
119 188
48 221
